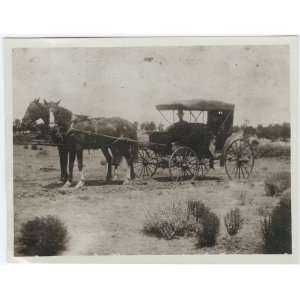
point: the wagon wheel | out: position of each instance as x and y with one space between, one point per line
203 167
239 160
183 164
146 163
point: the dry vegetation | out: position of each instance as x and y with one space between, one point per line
113 219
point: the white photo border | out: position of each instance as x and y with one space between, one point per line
65 42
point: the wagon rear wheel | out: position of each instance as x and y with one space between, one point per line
146 163
183 164
239 160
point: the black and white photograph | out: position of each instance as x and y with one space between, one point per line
171 149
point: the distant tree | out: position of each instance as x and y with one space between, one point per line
152 126
274 131
16 125
160 127
286 131
148 126
136 124
143 126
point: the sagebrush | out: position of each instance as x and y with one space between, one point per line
178 219
207 236
233 221
43 236
169 222
276 183
276 228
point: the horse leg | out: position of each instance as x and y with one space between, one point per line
129 167
116 160
81 182
63 157
109 163
71 167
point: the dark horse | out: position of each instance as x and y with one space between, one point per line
74 133
35 111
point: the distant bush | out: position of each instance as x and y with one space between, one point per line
276 149
233 221
177 220
43 236
276 229
276 183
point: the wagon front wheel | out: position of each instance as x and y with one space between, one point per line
239 160
183 164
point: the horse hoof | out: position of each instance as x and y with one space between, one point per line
67 184
79 184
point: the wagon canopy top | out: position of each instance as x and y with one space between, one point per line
196 104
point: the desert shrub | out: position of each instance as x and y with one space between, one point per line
177 220
43 236
207 232
273 150
276 183
169 222
197 210
277 229
207 235
233 221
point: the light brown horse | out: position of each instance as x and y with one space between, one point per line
107 134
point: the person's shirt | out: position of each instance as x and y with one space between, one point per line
179 130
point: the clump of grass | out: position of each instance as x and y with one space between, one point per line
276 228
276 183
193 219
43 236
233 221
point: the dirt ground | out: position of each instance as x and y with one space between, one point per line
108 218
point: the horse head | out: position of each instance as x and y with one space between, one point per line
34 112
52 105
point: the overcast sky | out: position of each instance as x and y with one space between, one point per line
129 82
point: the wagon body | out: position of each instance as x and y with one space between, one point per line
216 121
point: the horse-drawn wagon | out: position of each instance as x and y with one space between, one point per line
189 149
